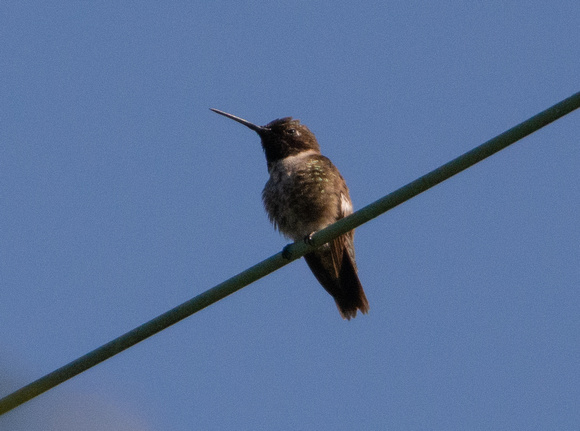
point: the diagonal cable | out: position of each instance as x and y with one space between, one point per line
294 251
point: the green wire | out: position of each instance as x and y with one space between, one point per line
293 251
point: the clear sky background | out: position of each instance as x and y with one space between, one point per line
122 195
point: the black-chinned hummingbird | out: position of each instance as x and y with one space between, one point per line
306 193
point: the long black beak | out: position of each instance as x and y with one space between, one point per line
255 128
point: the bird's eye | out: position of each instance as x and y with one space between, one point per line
291 132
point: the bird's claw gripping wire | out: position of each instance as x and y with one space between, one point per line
308 238
286 251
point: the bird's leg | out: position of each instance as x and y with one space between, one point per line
308 238
286 253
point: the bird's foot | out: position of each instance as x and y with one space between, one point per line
286 253
308 238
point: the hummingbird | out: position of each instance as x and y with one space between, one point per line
304 194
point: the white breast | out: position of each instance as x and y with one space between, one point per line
291 164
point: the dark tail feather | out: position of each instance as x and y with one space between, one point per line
339 277
352 297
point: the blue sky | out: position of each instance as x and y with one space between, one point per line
123 196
